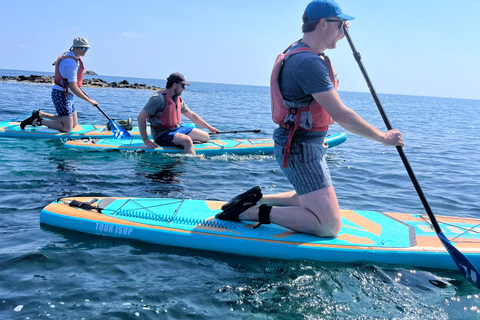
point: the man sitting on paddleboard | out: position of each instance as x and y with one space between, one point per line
164 112
304 83
69 71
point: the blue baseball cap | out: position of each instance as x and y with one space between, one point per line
319 9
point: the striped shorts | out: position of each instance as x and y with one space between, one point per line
63 104
307 169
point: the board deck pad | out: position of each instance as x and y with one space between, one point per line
390 238
151 211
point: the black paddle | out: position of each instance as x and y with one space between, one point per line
117 130
464 265
239 131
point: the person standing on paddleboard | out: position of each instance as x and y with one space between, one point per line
69 71
304 103
164 112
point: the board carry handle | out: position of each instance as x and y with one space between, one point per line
467 269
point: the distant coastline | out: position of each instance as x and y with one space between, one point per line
94 82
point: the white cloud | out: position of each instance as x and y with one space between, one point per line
132 35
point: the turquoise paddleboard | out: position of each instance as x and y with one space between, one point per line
366 236
12 130
213 147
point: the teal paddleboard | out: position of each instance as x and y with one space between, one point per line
366 236
213 147
12 130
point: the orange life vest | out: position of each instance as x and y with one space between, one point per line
281 109
63 82
171 116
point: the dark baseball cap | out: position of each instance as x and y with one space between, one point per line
177 77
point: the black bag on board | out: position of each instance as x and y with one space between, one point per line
126 124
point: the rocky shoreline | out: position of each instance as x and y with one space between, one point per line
94 82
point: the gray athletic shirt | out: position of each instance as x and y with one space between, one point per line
303 74
154 107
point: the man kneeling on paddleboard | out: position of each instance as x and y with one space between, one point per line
164 112
304 83
69 72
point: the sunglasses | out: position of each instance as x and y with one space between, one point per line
333 20
85 49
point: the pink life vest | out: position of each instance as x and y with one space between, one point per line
63 82
320 118
171 115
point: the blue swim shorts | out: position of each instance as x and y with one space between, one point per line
307 169
166 139
63 103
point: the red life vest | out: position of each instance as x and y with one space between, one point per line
63 82
320 118
171 116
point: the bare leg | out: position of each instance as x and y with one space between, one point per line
62 124
289 198
199 135
56 118
317 214
49 116
184 141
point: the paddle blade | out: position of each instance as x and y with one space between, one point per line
118 131
464 265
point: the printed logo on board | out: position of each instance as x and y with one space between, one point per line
111 229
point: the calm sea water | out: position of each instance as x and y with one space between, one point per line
59 274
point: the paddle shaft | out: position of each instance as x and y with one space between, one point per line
97 106
239 131
468 270
103 112
411 174
117 130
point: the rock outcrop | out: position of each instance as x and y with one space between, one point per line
94 82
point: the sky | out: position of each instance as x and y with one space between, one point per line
408 47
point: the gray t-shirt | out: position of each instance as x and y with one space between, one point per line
154 107
303 74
